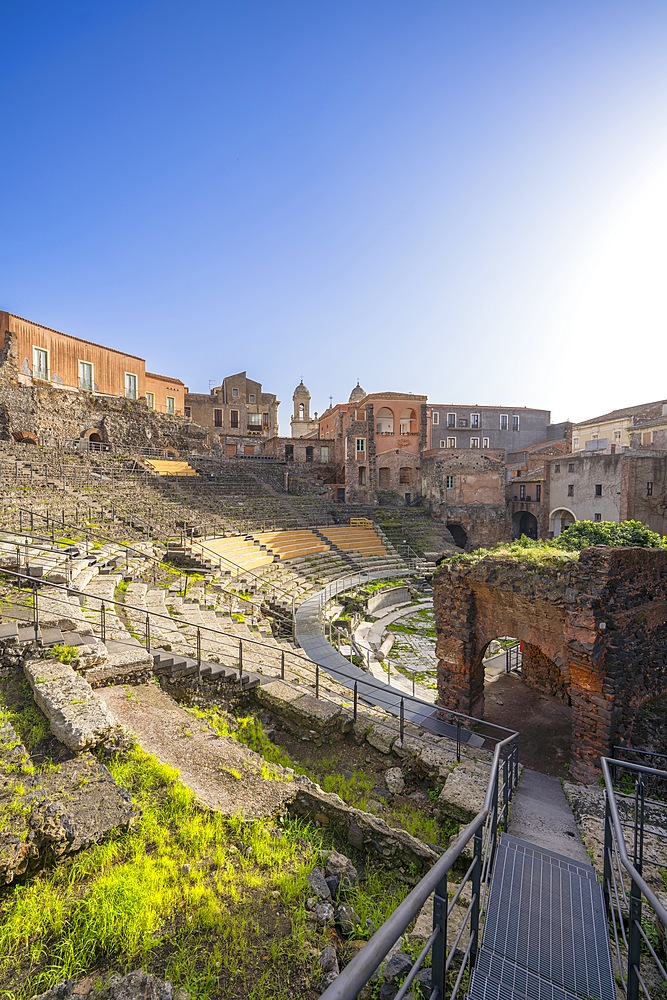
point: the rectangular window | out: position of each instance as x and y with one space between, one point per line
463 421
254 420
485 442
171 405
362 475
40 363
233 418
503 422
575 443
597 517
217 418
150 400
474 420
474 442
617 435
187 411
436 418
449 482
443 444
570 490
557 467
361 446
598 489
515 422
251 397
451 420
451 442
324 453
538 492
130 386
649 489
265 419
85 376
570 466
235 393
522 491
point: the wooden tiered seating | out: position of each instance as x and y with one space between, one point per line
362 540
169 467
292 544
237 549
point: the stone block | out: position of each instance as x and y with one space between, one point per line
77 717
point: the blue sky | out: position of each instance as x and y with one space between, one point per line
463 199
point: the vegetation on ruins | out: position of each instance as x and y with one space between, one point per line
567 546
178 894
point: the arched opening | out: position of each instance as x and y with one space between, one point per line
171 452
525 690
302 411
560 519
408 422
384 422
22 437
524 522
458 533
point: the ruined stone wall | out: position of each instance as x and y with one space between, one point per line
601 620
542 674
52 416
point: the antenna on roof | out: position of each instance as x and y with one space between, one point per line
330 401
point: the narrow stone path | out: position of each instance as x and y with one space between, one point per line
222 773
541 815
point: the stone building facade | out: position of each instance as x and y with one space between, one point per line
467 490
488 428
594 633
43 356
618 429
238 414
302 424
378 439
608 487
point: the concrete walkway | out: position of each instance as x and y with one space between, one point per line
541 815
312 640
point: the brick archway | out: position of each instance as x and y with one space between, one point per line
601 621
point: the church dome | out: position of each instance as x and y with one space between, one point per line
301 390
356 394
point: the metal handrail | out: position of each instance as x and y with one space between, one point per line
625 908
355 975
313 669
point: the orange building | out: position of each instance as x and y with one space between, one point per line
46 356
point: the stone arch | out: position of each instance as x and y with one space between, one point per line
408 421
384 421
524 522
595 628
24 437
560 518
458 533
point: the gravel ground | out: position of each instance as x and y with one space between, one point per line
222 773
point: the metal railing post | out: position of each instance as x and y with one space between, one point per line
356 700
439 952
476 892
282 665
20 520
103 622
35 611
608 847
634 941
458 741
317 680
198 655
401 719
148 633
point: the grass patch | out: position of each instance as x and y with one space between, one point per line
215 904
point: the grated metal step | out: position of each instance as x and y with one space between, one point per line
545 934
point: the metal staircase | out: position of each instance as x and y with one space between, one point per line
545 933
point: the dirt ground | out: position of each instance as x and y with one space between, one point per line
543 722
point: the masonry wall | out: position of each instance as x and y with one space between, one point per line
601 621
485 422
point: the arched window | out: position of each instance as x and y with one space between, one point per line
384 421
408 422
